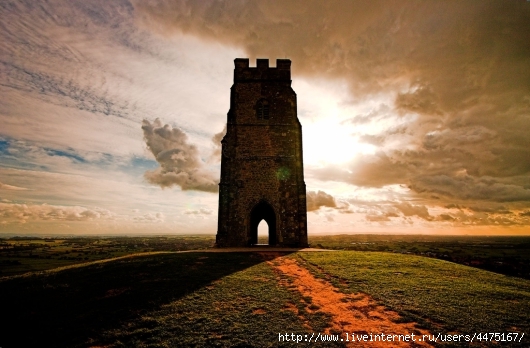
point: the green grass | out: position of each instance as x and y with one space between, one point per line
440 295
508 255
21 255
235 299
190 299
245 309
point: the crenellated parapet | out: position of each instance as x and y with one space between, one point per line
244 73
262 173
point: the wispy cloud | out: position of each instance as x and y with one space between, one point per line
23 213
11 187
426 105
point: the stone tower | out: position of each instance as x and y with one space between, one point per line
262 172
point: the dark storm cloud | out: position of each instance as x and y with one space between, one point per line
179 160
414 210
460 67
374 171
470 188
482 46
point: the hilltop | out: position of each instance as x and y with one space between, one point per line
249 299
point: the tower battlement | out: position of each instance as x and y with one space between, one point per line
244 73
262 170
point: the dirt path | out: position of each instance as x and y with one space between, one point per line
352 314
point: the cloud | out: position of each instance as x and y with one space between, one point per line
494 209
216 140
471 188
202 211
439 89
379 217
329 217
11 187
374 45
150 218
367 170
23 213
414 210
179 160
451 164
446 217
383 211
480 218
449 81
422 101
318 199
380 113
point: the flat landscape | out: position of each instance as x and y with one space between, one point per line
158 296
142 143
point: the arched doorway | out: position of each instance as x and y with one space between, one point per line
262 211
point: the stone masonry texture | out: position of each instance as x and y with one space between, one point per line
262 173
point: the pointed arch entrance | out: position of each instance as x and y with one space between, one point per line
262 211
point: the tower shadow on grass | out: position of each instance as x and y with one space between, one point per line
69 307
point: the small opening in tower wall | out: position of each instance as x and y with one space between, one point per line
263 233
262 213
262 109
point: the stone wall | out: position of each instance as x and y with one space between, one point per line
262 158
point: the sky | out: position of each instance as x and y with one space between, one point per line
415 114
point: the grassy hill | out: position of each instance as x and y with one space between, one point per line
239 299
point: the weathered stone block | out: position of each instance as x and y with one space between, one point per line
262 174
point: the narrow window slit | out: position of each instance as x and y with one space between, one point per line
262 110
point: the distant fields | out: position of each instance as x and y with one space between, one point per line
21 255
238 299
508 255
504 255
